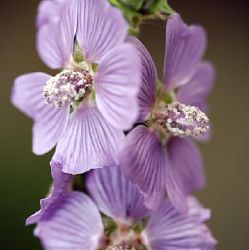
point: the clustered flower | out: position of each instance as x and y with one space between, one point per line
125 164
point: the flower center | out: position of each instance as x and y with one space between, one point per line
67 87
179 119
120 236
121 246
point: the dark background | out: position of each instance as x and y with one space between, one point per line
25 178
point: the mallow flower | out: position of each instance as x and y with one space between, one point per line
84 108
112 216
159 154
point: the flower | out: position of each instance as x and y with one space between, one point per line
85 107
113 216
157 155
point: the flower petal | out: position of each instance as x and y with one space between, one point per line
76 224
49 122
115 195
185 46
101 27
196 91
27 92
117 85
143 160
48 11
61 185
55 40
48 128
184 173
171 230
147 93
89 142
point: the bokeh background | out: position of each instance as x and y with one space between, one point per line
25 178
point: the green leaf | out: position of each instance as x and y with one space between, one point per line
137 10
135 4
157 7
165 8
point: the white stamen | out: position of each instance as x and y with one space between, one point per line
67 87
183 120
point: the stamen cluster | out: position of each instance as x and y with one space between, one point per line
179 119
67 87
123 237
122 246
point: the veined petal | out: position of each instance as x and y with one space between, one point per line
61 185
89 142
76 224
55 40
185 46
147 93
48 11
49 122
143 160
184 173
171 230
27 92
48 128
101 27
115 195
196 91
117 84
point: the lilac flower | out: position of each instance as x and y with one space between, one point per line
85 107
114 217
157 155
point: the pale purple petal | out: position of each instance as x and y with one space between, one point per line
115 195
48 46
184 173
101 27
61 185
195 92
171 230
75 225
185 46
89 142
55 40
143 160
48 11
27 92
49 122
117 84
48 128
147 93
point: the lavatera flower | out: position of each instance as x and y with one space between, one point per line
159 155
85 107
113 217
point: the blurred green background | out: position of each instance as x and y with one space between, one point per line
25 178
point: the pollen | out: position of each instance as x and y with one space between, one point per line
121 246
183 120
67 87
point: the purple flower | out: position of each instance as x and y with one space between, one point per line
114 217
158 156
85 107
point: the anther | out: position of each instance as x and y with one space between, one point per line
122 246
183 120
67 87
